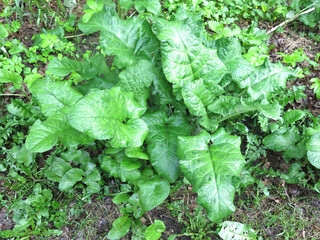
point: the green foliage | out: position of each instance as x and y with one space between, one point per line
153 232
163 111
236 230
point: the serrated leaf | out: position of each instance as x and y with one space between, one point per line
115 115
10 77
54 96
44 135
313 147
237 231
162 142
152 6
137 78
120 227
184 58
70 179
152 192
211 169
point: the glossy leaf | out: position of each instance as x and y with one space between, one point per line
137 78
152 6
120 227
211 170
266 79
110 114
122 167
313 153
138 42
54 96
10 77
162 142
44 135
70 179
184 58
229 51
153 232
237 231
152 192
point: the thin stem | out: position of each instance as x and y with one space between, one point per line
12 94
73 36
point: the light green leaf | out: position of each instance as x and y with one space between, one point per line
44 135
136 153
120 227
127 171
229 51
211 170
3 32
137 78
110 114
138 42
162 142
266 79
237 231
57 169
10 77
126 4
152 192
313 153
70 179
184 58
293 116
272 110
92 186
152 6
153 232
54 96
63 67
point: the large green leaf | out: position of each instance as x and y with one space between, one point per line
184 58
229 51
120 227
3 32
266 79
53 96
44 135
10 77
137 78
122 167
211 170
162 142
152 6
138 42
313 153
71 177
110 114
88 69
152 192
286 141
236 231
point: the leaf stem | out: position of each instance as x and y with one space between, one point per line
73 36
12 94
240 109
